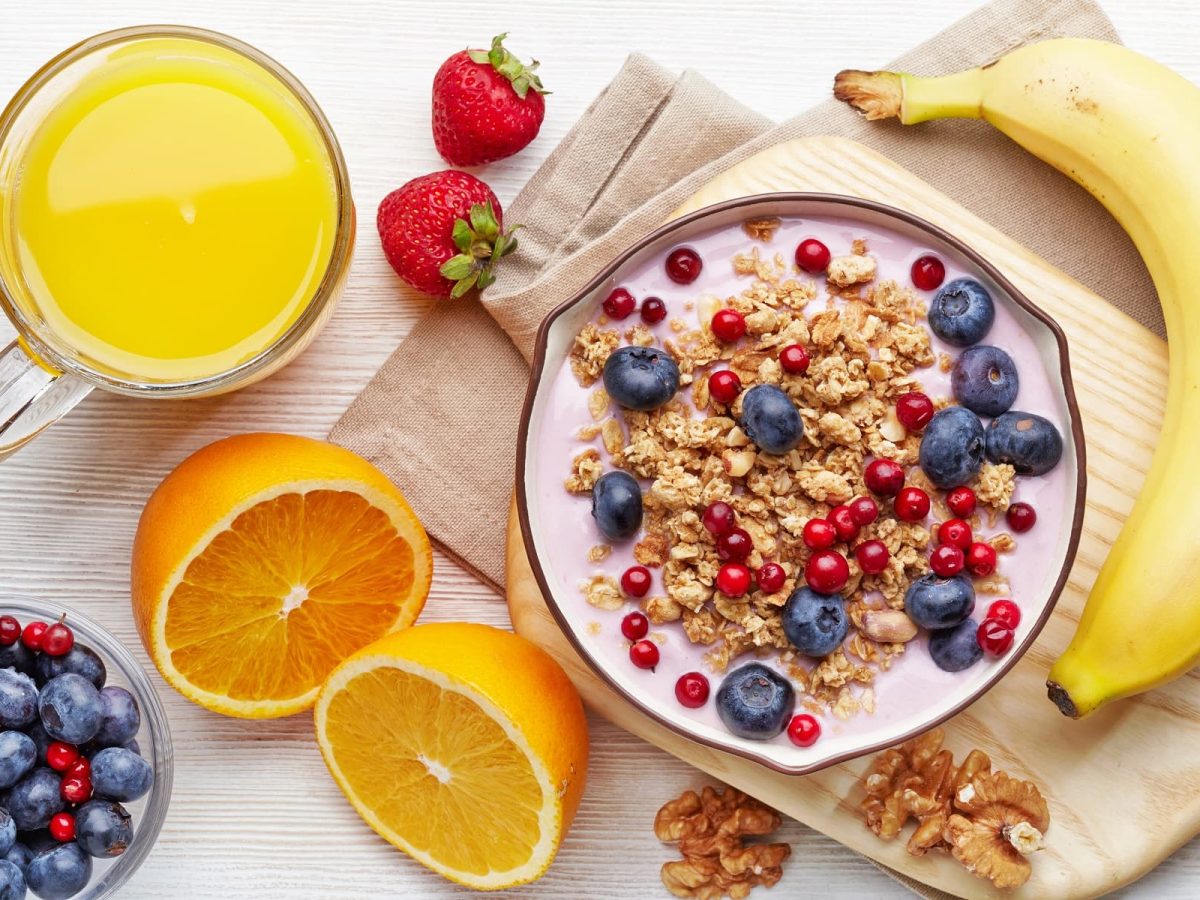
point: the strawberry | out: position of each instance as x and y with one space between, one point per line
442 233
486 105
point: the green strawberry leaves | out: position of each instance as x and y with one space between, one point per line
481 244
522 76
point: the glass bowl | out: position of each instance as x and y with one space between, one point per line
154 737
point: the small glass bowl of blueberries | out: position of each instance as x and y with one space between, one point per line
85 756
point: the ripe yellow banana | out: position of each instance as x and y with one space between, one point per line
1128 130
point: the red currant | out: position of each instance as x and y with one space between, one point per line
60 756
804 730
794 359
995 637
74 789
1005 611
864 510
884 477
961 501
728 325
771 577
81 768
914 410
955 532
819 534
827 572
1021 517
981 559
684 265
10 631
812 256
733 579
31 637
724 385
62 827
912 504
57 640
843 521
691 690
946 560
718 517
644 654
928 273
635 581
653 310
735 545
619 304
635 626
872 556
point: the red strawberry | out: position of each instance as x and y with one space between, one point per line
483 105
442 233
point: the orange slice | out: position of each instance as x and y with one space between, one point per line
463 745
263 561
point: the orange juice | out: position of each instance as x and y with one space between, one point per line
174 213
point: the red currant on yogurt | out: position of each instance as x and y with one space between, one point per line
928 273
57 640
733 579
735 545
635 581
914 410
619 304
691 690
981 559
724 385
31 637
884 477
653 310
946 560
995 637
819 534
803 730
718 517
912 504
864 510
728 325
635 626
62 827
872 556
827 572
844 523
794 359
771 577
1021 517
644 654
1005 611
60 756
10 631
812 256
961 501
955 532
684 265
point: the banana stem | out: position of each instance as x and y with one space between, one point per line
911 98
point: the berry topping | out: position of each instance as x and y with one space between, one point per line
954 532
653 310
934 602
635 581
62 827
961 501
928 273
864 510
31 637
962 312
884 477
733 579
735 545
819 534
755 702
771 577
946 560
803 730
60 870
718 517
957 648
872 556
619 304
844 523
1029 443
812 256
81 768
981 559
57 640
617 505
770 419
644 654
984 380
794 359
728 325
684 265
75 789
815 622
912 504
60 756
1021 517
995 637
635 626
827 572
952 447
914 410
1005 611
691 690
724 385
641 378
10 631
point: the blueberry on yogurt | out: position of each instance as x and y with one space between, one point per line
816 624
933 602
957 648
770 419
617 505
755 702
1029 443
952 447
984 380
962 312
642 378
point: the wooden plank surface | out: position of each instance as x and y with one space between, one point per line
254 814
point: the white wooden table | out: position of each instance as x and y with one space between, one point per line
254 813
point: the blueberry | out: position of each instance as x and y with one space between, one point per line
755 702
80 660
8 832
41 740
952 447
70 708
984 380
617 505
35 799
18 699
641 377
103 828
12 881
771 419
934 602
19 855
957 648
1031 444
121 719
18 753
962 312
120 775
816 624
60 872
17 656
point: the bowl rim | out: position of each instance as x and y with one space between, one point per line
685 222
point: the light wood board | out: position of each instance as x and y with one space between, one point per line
1123 784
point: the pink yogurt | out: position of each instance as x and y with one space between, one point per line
913 680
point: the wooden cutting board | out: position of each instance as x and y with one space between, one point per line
1124 784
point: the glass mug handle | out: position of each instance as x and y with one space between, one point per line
32 397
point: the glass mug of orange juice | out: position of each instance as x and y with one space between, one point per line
176 222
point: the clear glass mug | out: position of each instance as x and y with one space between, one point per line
41 375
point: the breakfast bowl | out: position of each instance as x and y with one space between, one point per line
153 738
885 320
